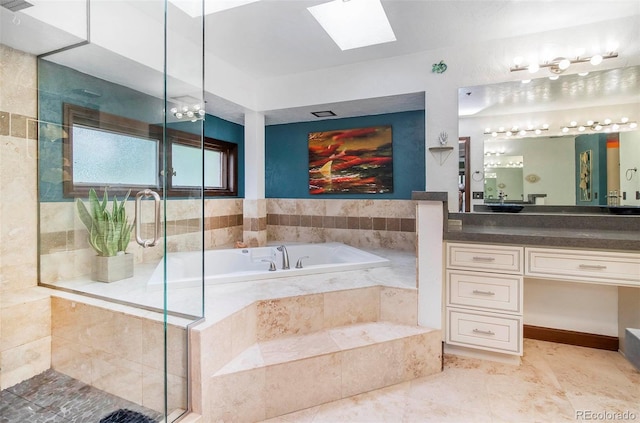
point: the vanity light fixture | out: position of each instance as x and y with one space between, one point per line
561 64
607 125
516 131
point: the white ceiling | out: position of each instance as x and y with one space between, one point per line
275 38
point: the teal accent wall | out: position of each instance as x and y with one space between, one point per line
597 144
287 155
59 84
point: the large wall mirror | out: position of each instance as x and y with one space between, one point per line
570 140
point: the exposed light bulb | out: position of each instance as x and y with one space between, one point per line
174 110
564 64
589 122
608 121
598 127
573 123
179 115
526 81
554 77
517 60
633 125
533 68
522 132
538 132
487 130
581 128
545 126
501 129
596 60
583 73
623 120
494 134
565 129
185 109
615 126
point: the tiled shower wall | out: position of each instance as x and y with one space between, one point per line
359 223
25 310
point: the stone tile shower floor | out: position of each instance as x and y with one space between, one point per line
554 383
53 397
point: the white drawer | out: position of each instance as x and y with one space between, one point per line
584 266
493 258
485 331
489 291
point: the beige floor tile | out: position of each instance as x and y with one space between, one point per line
554 383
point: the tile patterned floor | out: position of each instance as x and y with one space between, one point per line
554 383
52 397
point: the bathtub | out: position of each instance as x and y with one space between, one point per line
247 264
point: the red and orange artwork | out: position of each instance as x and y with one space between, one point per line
356 160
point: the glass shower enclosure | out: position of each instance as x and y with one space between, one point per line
120 187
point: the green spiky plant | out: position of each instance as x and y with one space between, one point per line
109 232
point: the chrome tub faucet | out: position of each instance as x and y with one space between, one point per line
285 257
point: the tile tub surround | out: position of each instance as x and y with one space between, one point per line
343 341
360 223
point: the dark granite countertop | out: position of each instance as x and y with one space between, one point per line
605 232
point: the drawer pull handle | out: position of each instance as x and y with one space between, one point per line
477 258
592 266
477 292
484 332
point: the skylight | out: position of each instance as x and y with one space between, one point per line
193 8
354 23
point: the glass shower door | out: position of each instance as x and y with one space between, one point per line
121 159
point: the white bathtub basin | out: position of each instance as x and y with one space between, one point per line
247 264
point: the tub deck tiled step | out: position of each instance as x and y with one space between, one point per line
282 375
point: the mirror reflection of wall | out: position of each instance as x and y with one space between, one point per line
550 114
549 169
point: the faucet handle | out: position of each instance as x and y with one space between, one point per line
299 263
272 265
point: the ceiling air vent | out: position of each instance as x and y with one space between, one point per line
15 5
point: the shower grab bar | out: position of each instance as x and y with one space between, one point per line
156 200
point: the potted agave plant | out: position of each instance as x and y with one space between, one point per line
109 235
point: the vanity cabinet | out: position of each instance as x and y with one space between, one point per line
483 295
607 268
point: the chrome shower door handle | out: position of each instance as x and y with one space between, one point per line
156 201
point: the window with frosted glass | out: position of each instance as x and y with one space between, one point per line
187 167
104 150
109 158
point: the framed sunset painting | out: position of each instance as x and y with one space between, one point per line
355 161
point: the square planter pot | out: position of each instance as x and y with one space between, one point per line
111 269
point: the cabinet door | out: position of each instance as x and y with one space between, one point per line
492 258
621 269
488 291
484 331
